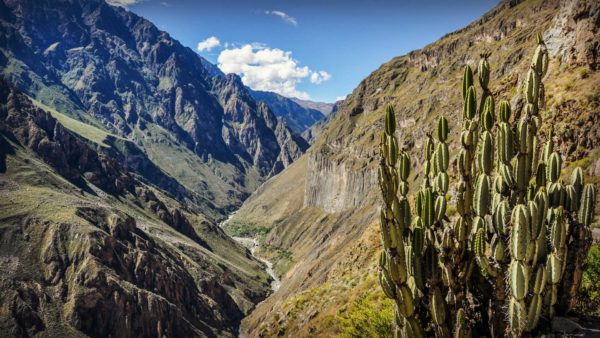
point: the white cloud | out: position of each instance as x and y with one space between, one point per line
284 16
340 98
123 3
268 69
320 76
208 44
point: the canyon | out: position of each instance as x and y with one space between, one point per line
145 193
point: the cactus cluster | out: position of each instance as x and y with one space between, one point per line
501 265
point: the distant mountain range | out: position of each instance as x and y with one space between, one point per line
297 117
324 108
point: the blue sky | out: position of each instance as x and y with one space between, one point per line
317 49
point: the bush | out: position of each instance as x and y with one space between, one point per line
368 316
589 292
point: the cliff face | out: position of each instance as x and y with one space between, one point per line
292 146
107 67
88 249
297 117
325 246
334 185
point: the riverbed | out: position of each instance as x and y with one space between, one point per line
251 243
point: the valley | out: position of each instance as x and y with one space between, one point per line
252 244
146 193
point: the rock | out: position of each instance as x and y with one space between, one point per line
565 325
334 185
595 169
295 116
135 81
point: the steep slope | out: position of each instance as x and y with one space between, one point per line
323 107
89 250
313 132
179 123
297 117
325 244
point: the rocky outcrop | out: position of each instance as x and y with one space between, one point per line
573 36
291 145
39 131
297 117
103 64
247 133
335 185
75 260
112 279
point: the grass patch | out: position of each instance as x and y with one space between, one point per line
82 129
236 228
367 316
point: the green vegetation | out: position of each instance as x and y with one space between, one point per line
589 293
237 228
283 258
449 278
367 316
210 180
82 129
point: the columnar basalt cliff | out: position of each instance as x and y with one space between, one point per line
342 160
335 185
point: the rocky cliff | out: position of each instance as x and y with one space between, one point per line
89 250
325 108
325 245
297 117
336 185
166 107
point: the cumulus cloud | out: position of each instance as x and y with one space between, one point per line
320 76
123 3
208 44
284 16
268 69
340 98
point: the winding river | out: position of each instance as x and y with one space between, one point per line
252 244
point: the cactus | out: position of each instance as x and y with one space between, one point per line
503 259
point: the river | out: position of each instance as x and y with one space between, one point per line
252 244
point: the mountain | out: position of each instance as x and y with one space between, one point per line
88 249
177 121
297 117
311 133
120 151
323 107
318 219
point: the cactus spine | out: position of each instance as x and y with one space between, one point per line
503 258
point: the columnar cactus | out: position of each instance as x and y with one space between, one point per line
503 258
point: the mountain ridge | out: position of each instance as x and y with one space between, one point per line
325 244
88 248
297 117
110 68
120 151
